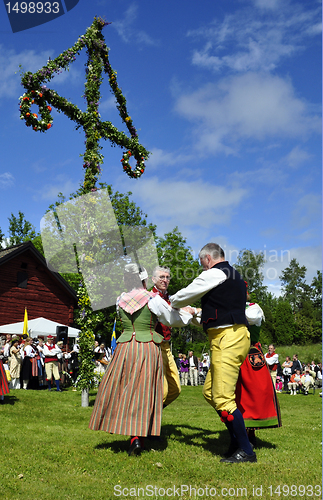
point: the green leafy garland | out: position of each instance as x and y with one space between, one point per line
86 340
98 62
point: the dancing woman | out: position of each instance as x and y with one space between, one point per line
130 396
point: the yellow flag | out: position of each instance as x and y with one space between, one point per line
25 330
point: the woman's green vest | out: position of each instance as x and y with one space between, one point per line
143 323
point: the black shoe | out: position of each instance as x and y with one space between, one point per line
240 456
231 450
135 448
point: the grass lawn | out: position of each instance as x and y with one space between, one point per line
48 453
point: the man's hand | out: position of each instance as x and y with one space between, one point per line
189 309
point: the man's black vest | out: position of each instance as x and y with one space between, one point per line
226 303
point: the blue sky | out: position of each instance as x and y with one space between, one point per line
225 94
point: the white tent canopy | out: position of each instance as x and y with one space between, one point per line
37 327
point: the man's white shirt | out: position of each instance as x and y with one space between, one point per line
200 286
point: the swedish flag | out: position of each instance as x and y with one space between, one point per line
113 338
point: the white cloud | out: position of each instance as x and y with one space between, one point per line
296 157
187 204
250 40
250 106
107 104
310 257
267 4
307 211
50 191
30 60
39 166
9 67
278 259
6 180
126 30
162 158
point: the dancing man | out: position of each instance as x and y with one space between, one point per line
223 295
172 385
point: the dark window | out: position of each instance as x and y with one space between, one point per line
24 265
22 279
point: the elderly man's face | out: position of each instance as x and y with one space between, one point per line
161 280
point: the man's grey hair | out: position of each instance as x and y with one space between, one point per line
212 249
160 269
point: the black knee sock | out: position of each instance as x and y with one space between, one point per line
239 430
234 441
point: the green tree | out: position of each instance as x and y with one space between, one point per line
316 290
294 286
285 327
316 295
309 314
267 332
173 252
37 242
250 264
1 238
20 230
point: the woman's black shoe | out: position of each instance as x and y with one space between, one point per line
135 448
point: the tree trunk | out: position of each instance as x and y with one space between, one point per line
85 397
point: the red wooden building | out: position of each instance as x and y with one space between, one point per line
26 281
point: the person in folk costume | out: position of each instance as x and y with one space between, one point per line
40 362
52 353
6 347
223 296
255 392
29 369
272 361
4 386
74 363
130 395
101 361
172 384
15 363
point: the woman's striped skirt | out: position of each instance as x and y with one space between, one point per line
130 395
4 387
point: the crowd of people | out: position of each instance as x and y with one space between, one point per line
192 370
35 363
294 376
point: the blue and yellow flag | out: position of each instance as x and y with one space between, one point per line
113 338
25 330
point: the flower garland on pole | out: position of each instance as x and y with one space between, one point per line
37 94
86 378
98 63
